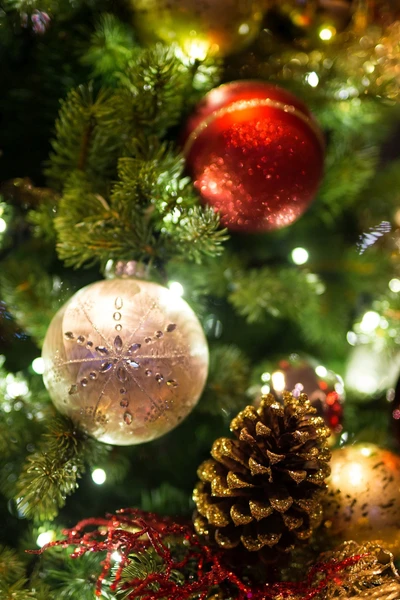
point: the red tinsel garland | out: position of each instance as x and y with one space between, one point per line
132 531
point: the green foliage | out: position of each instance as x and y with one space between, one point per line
139 567
73 579
228 381
32 294
166 495
111 49
51 473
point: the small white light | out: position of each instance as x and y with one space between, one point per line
394 285
265 389
312 79
176 288
3 225
351 338
321 371
370 321
99 476
266 377
326 34
244 29
15 388
366 451
299 256
45 538
197 49
278 381
38 365
116 556
355 474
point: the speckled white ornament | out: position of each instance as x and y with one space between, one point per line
126 359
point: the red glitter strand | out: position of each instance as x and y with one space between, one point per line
134 531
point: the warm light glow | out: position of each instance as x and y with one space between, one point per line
176 288
38 365
15 388
266 377
355 472
3 225
312 79
99 476
321 371
265 389
366 451
370 321
394 285
244 29
278 381
45 538
116 556
197 49
327 33
299 256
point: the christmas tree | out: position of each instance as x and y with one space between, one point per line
199 299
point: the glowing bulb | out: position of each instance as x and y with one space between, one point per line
366 451
312 79
321 371
116 556
299 256
351 338
197 49
266 377
278 381
38 365
99 476
3 225
327 33
244 29
370 321
394 285
265 389
45 538
15 388
355 474
176 288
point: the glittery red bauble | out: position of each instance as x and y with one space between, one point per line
256 155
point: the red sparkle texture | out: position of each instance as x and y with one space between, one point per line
133 531
256 155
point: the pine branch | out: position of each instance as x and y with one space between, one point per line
112 49
31 293
228 381
51 473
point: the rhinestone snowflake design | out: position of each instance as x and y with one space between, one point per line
120 361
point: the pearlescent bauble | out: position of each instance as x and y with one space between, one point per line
126 359
363 501
200 27
303 374
256 155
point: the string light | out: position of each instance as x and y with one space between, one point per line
266 377
351 338
370 321
265 389
99 476
45 538
176 288
312 79
394 285
299 256
3 225
278 381
38 365
321 371
327 33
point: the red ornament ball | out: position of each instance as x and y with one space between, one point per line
256 155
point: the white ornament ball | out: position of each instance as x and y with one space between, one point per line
126 360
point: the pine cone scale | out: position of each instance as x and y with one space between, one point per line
262 490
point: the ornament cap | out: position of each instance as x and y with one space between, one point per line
126 269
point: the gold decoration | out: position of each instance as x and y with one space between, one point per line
200 27
363 500
372 577
126 359
263 489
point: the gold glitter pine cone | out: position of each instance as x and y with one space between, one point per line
263 490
